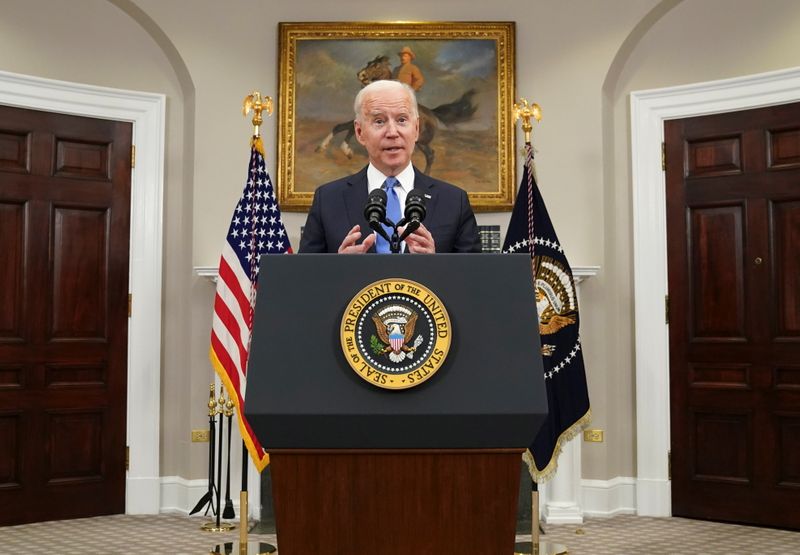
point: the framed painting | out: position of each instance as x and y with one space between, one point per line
463 74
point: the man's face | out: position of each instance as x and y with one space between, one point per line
388 130
405 57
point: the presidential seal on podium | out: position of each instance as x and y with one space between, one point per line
395 333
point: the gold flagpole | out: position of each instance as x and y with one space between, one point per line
257 104
526 112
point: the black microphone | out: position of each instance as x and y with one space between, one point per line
375 211
415 206
415 211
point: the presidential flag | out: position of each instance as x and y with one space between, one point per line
256 230
531 231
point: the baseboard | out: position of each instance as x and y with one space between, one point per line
179 495
562 513
609 497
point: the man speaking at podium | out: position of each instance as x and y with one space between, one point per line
387 124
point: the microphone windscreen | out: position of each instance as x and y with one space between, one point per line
375 209
415 205
378 195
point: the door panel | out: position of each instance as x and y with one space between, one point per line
11 458
717 296
721 451
14 152
78 432
79 246
713 156
784 148
788 454
716 376
12 247
785 229
82 159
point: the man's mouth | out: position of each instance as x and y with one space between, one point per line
393 148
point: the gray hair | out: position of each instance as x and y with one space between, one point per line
384 85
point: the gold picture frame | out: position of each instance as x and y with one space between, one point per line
468 73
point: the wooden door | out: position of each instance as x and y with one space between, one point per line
64 241
733 234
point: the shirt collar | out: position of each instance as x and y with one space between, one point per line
375 178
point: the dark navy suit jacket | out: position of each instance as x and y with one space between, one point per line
339 205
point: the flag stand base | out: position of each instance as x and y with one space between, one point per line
212 527
535 547
243 547
247 548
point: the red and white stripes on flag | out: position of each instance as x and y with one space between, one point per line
256 229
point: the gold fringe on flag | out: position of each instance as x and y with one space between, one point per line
541 476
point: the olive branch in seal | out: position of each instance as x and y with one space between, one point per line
376 345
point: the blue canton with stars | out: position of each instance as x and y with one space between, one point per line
256 228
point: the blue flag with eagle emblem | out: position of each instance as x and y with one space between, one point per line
530 230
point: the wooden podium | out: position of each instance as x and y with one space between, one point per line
360 470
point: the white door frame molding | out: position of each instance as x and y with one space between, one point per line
649 110
147 113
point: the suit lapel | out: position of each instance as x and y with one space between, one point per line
426 184
355 198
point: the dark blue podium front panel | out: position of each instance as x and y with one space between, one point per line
302 393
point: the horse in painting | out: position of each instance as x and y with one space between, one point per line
458 111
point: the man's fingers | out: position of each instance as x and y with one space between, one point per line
350 243
421 241
350 239
368 242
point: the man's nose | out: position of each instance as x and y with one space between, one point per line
391 128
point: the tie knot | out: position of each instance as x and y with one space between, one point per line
389 184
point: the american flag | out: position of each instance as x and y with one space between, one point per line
256 229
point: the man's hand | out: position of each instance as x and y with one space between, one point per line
349 244
420 241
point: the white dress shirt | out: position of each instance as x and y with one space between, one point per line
405 178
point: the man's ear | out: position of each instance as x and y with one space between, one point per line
359 131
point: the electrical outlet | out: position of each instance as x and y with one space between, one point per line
593 436
200 436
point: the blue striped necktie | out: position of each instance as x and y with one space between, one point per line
392 213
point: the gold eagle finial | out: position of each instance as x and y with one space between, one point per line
254 102
526 112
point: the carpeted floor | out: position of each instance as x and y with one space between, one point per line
176 534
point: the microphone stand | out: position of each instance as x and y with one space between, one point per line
412 226
394 244
394 241
376 226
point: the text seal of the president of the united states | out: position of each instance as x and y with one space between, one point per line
395 333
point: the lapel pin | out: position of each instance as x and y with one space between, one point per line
427 195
